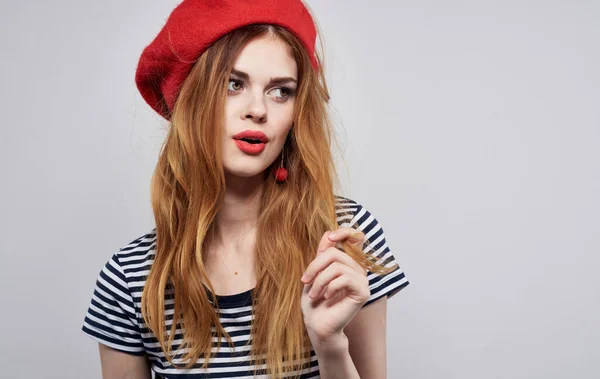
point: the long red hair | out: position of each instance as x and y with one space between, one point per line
188 188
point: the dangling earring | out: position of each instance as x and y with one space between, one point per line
281 173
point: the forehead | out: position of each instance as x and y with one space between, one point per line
266 57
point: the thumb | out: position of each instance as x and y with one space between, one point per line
325 243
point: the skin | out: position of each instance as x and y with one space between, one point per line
253 103
256 104
348 339
119 365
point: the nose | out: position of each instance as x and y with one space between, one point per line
256 110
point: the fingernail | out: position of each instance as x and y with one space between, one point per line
332 235
304 278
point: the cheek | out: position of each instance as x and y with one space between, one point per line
231 119
231 108
283 115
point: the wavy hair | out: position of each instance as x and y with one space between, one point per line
187 190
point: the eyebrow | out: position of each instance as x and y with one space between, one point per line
281 80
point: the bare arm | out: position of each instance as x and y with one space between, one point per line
119 365
367 339
360 353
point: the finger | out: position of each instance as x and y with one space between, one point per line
352 284
327 275
353 236
325 259
342 257
324 243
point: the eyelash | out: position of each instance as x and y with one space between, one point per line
291 92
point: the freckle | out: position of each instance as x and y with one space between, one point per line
236 273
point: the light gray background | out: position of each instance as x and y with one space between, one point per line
471 131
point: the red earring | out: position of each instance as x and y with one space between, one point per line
281 173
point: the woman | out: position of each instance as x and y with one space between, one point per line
255 267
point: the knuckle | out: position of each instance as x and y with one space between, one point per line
339 267
320 281
356 237
338 254
331 250
366 295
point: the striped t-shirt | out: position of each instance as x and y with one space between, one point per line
114 315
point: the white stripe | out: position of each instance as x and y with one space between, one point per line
136 259
110 344
381 286
113 327
124 319
233 369
124 307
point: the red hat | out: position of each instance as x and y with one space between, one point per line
194 25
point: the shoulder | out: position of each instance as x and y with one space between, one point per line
113 317
345 209
135 259
352 213
140 248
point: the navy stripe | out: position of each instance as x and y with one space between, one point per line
131 263
114 323
389 293
94 331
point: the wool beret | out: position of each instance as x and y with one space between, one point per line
194 25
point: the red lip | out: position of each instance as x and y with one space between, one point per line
252 134
250 148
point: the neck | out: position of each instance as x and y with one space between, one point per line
238 214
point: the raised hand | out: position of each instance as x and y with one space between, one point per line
336 287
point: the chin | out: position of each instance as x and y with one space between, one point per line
247 172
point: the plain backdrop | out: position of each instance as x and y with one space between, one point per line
471 130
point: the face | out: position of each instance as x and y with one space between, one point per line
260 99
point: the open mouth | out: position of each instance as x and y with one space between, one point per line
250 145
252 141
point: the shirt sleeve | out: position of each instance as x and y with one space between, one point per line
376 245
111 316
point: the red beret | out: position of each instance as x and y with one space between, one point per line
196 24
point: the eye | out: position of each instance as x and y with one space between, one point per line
287 92
281 93
235 82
